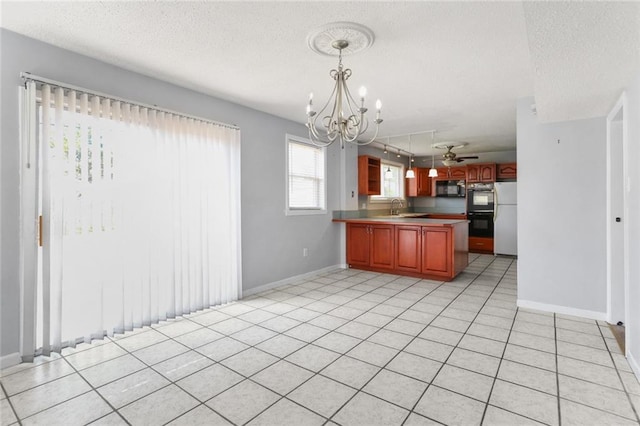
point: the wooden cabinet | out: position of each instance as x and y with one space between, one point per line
458 173
424 249
481 245
481 172
370 245
420 186
437 251
409 248
368 175
507 171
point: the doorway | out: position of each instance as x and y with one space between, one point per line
617 228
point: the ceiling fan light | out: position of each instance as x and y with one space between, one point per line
433 172
449 163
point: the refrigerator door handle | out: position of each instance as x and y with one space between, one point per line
495 205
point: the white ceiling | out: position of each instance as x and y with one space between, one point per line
457 67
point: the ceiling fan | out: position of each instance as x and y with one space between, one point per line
450 158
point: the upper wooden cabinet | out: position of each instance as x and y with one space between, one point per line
420 186
507 171
458 173
368 175
481 172
452 173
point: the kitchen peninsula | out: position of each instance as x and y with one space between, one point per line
427 248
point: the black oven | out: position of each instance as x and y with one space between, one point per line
480 224
480 197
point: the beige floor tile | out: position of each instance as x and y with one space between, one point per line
474 361
531 377
585 353
306 332
337 342
111 370
80 410
482 345
530 357
209 382
312 357
441 335
286 413
596 396
373 353
418 420
322 395
527 402
173 400
177 327
112 419
222 348
47 395
533 342
199 337
136 341
590 372
415 366
249 362
98 354
350 371
396 388
365 409
160 352
281 345
450 408
282 377
39 374
233 405
574 414
7 416
495 416
465 382
182 365
436 351
253 335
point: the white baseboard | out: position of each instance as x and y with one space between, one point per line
602 316
290 280
634 364
10 360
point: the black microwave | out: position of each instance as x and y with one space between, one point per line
450 188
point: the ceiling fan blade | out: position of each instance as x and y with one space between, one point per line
469 157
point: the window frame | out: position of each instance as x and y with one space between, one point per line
374 199
289 211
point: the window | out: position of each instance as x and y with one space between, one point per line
392 178
306 186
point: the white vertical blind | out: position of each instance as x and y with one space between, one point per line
306 176
141 216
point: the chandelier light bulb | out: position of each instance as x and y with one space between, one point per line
310 97
378 105
362 92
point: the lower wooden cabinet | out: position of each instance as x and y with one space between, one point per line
436 252
370 245
481 245
424 250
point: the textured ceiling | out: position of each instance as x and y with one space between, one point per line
457 67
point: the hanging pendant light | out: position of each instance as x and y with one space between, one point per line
410 173
433 172
388 174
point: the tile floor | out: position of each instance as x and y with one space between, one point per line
350 348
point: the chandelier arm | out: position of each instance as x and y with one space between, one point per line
373 138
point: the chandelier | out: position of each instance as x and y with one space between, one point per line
341 118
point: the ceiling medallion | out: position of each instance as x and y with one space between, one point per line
321 40
341 118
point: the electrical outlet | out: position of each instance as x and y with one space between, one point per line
305 252
364 205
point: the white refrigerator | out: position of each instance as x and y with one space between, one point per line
505 226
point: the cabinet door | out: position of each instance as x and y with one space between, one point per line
357 244
507 171
424 182
458 173
408 248
488 173
437 256
473 173
381 246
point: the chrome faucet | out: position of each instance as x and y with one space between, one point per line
397 211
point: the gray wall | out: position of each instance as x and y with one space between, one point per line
271 242
561 212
